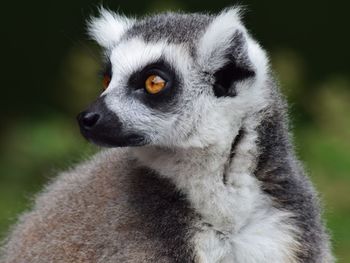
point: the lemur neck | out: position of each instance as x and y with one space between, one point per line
208 176
191 163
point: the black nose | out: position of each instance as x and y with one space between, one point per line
88 120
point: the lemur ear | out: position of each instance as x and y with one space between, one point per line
223 52
108 28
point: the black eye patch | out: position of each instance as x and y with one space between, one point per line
167 97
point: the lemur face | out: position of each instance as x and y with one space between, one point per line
172 79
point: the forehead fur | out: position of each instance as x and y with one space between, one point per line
173 27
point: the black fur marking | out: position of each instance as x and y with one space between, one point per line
235 142
165 214
283 179
109 131
163 101
237 69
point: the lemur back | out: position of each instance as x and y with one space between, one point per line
105 211
208 172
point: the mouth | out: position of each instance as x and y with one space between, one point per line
110 140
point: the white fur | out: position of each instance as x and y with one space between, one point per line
212 45
108 28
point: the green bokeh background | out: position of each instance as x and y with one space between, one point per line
49 74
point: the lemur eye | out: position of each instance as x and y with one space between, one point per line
106 80
154 84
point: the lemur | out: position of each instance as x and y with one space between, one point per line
201 167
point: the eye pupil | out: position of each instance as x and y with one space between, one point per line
106 80
154 84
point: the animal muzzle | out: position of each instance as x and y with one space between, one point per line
102 126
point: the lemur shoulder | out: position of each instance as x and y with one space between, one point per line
202 167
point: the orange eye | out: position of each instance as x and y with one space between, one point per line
154 84
106 80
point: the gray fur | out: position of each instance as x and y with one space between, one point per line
137 204
103 212
283 178
174 27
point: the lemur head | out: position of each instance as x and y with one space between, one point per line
184 80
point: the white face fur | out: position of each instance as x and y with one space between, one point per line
215 81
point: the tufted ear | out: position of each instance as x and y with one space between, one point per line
223 52
108 28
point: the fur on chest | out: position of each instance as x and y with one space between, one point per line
267 237
240 224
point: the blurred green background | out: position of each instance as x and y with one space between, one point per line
49 74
